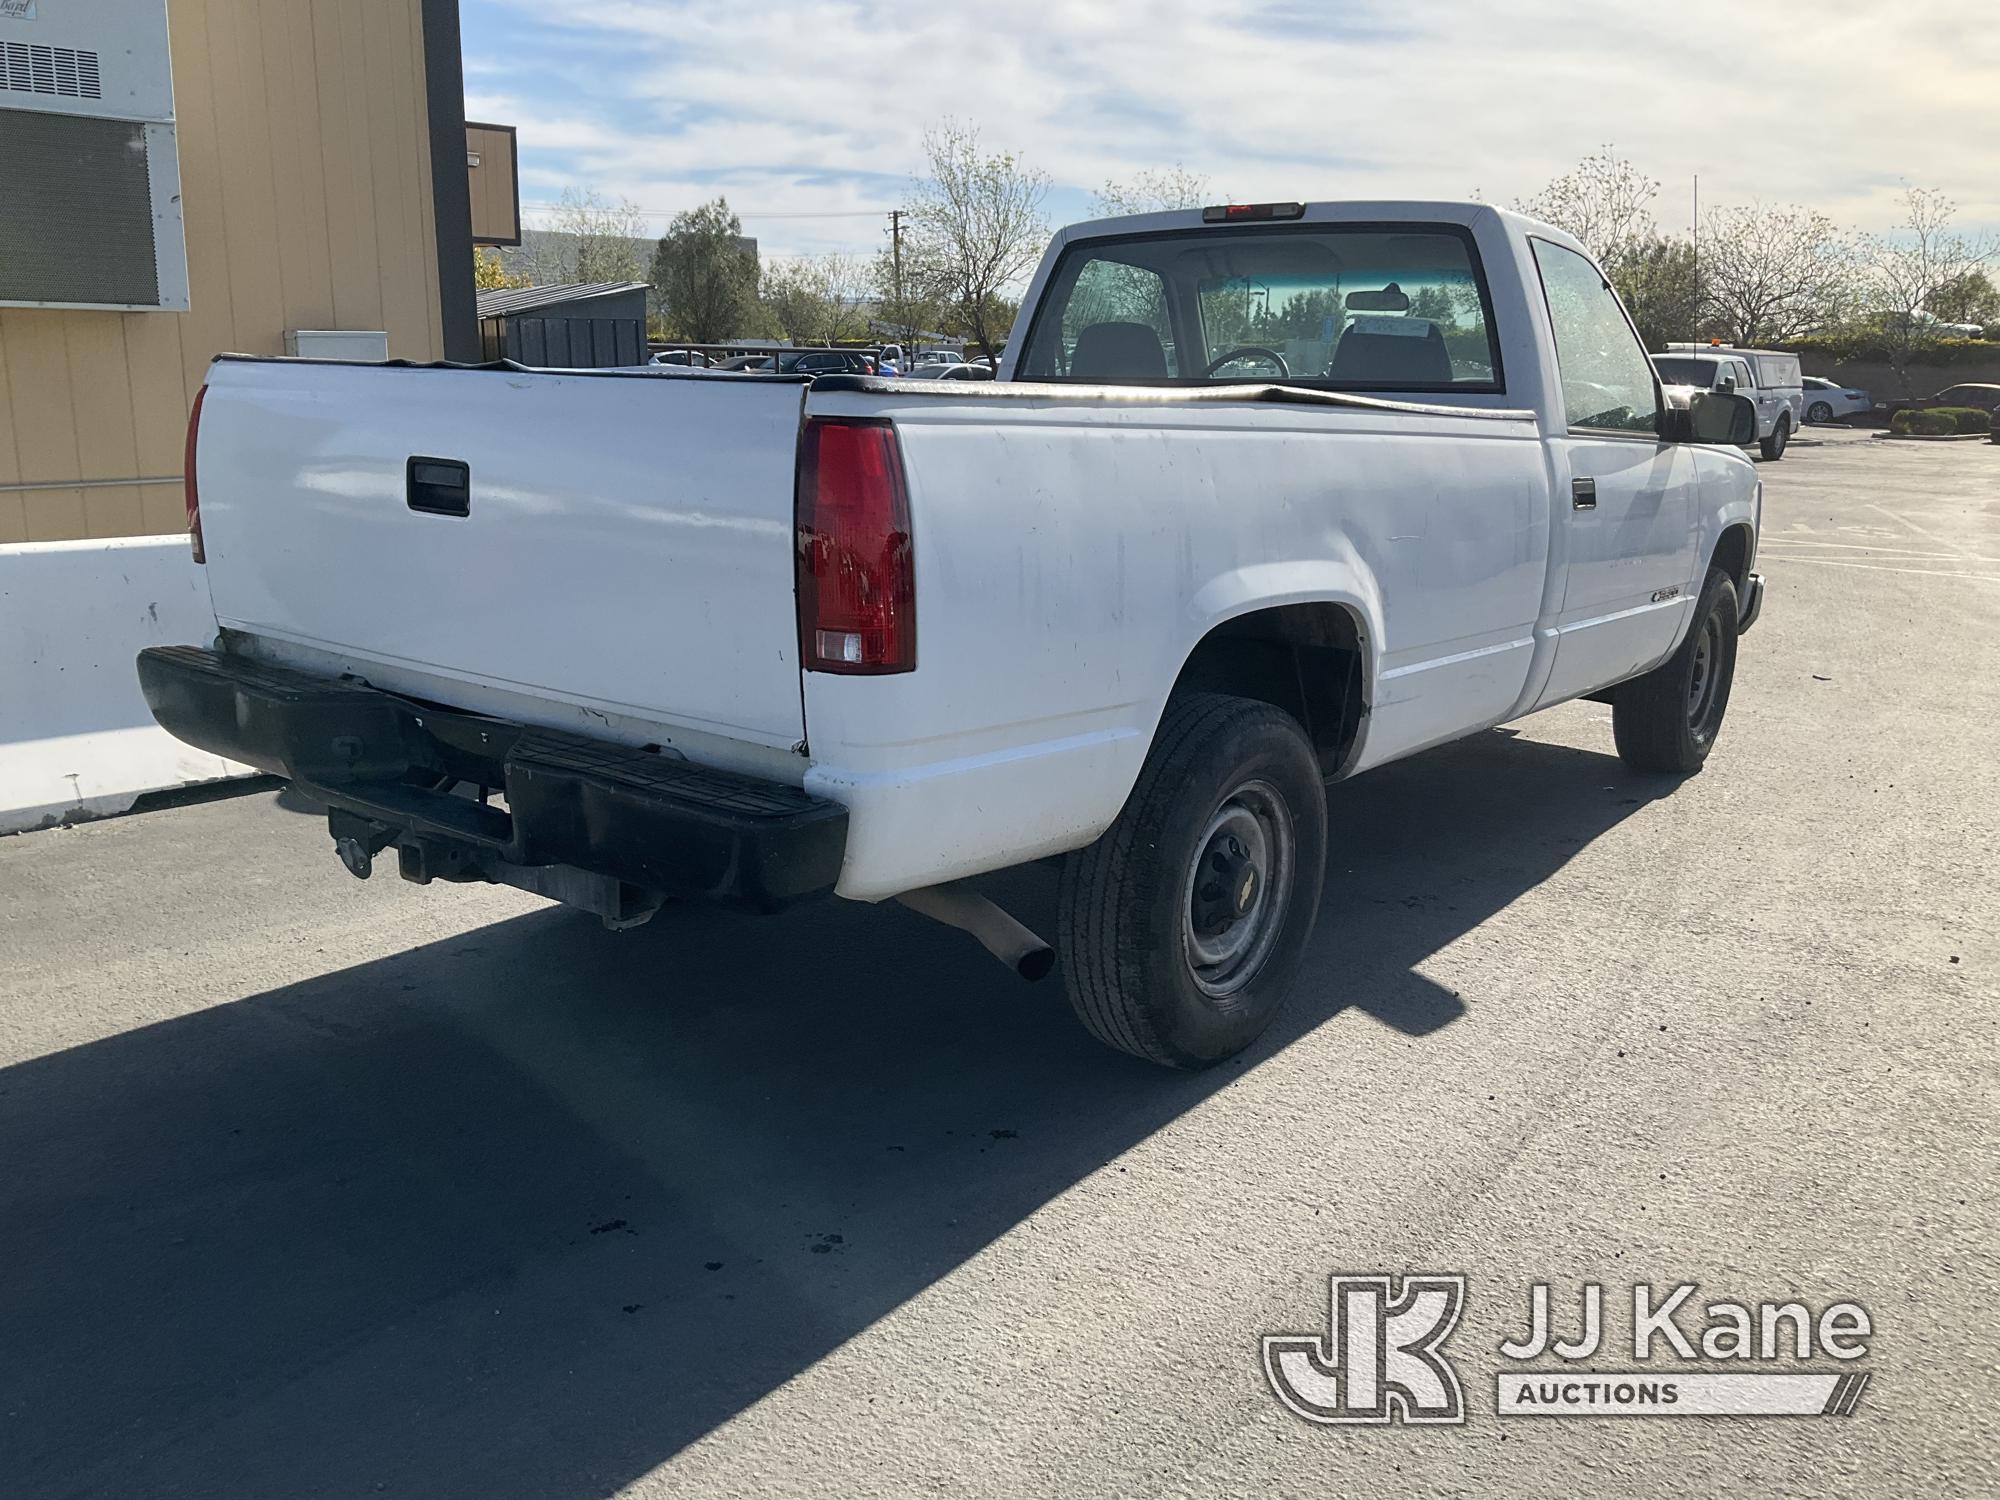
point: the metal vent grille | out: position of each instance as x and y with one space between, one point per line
76 219
32 68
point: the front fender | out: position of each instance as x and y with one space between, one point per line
1731 495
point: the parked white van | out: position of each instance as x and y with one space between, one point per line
1775 383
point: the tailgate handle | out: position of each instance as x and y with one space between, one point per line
439 486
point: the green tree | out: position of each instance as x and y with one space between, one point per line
705 275
1655 278
1968 297
488 275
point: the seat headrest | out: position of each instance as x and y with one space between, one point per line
1119 351
1368 356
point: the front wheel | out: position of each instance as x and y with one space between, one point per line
1774 446
1182 928
1668 719
1819 411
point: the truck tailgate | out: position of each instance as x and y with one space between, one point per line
625 541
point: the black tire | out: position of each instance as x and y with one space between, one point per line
1773 447
1819 411
1137 922
1668 719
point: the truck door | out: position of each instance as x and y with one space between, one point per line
1629 500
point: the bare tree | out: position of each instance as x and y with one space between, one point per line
817 299
1153 191
1604 201
976 228
904 302
587 238
1774 273
1910 267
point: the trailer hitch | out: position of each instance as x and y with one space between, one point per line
357 840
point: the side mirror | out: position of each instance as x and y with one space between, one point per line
1722 418
1726 384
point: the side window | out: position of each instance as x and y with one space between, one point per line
1607 380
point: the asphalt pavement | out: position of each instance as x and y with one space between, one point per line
310 1186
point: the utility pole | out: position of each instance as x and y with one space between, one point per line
896 264
1694 333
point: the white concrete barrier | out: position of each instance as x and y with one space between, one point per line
76 740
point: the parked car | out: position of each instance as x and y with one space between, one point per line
939 357
748 362
951 372
828 362
754 641
1827 402
1775 385
1984 397
692 357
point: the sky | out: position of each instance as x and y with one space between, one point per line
808 115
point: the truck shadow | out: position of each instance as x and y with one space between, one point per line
527 1211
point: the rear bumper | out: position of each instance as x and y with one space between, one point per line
639 818
1751 604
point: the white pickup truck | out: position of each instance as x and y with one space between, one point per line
1263 496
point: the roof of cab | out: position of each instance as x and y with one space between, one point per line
1331 211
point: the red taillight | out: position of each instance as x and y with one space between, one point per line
188 481
857 579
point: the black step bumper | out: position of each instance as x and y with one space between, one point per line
640 817
1751 602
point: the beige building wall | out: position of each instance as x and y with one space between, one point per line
496 194
306 189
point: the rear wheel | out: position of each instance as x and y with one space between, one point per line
1668 719
1182 928
1774 445
1819 411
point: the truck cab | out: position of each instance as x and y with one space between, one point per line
1770 378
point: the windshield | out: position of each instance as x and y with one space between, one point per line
1333 307
1700 372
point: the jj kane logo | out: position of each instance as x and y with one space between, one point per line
1382 1360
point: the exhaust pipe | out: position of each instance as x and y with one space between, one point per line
998 933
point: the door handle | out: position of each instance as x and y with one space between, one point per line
1583 494
438 486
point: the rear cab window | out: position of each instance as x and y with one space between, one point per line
1391 309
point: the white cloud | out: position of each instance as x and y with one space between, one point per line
818 105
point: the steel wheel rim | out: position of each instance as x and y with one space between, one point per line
1703 674
1237 888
